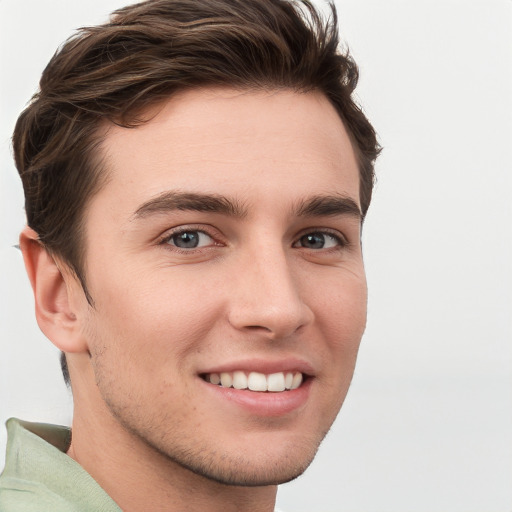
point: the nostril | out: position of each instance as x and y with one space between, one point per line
258 327
274 315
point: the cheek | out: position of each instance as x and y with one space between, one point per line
341 315
148 318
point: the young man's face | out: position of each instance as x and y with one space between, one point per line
226 245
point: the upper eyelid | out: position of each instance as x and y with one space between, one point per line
165 240
170 232
180 231
217 235
328 231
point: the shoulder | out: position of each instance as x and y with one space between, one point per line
40 477
23 496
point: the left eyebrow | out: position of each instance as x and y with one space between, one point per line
329 206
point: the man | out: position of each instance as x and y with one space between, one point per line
196 175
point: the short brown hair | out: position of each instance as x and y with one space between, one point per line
143 55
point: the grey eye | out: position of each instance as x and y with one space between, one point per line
190 239
318 240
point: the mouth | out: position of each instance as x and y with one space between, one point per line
254 381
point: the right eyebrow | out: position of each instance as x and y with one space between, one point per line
175 200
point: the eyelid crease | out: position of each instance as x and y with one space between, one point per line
340 237
218 239
167 235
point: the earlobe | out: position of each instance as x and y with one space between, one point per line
54 312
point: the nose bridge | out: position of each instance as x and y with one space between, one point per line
267 295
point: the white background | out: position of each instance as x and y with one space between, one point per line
427 426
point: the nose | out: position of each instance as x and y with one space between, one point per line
266 296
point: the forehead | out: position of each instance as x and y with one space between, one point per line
232 142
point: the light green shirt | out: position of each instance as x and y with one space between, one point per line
40 477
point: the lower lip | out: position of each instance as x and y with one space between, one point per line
268 404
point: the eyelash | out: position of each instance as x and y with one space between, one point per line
336 235
165 239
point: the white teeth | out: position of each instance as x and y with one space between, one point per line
225 379
276 382
239 380
297 381
255 381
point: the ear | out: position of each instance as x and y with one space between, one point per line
55 314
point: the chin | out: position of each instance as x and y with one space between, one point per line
250 468
245 473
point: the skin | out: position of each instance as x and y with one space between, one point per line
255 292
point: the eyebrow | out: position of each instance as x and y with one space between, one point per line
329 206
316 206
174 200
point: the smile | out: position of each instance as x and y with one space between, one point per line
255 381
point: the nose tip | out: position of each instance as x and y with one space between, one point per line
273 330
269 321
267 301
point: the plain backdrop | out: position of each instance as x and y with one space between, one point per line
427 425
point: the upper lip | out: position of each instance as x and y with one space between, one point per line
265 366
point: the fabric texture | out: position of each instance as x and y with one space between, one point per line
40 477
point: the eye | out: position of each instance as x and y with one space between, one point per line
189 239
319 240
